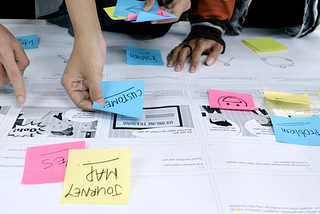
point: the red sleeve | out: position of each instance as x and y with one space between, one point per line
208 9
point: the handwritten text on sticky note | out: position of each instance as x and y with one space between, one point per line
122 97
141 56
29 42
47 164
297 130
97 176
230 100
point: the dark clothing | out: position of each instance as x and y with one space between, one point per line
209 18
17 9
265 14
62 18
296 18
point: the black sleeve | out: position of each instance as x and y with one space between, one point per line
207 29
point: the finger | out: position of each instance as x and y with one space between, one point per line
200 47
95 89
4 79
81 99
148 5
20 56
167 3
77 92
214 54
197 52
165 21
183 54
15 77
173 56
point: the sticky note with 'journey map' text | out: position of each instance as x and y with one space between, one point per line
122 97
97 176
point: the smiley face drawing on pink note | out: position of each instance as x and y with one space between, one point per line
230 100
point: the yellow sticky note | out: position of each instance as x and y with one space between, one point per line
266 44
110 12
238 212
318 93
288 98
97 176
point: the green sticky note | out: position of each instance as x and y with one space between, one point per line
266 44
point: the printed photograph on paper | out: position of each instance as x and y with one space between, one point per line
60 122
161 121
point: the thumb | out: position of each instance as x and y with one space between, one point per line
148 5
95 90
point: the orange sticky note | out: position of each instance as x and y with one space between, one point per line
231 100
47 164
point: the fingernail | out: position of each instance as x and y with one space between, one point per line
20 100
170 64
192 69
178 67
100 102
210 61
145 8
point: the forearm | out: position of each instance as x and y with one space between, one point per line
84 70
84 18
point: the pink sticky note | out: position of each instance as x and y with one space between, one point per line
162 13
47 164
231 100
132 17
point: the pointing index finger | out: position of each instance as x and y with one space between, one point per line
15 77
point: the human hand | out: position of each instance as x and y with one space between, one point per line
175 7
83 73
13 62
198 46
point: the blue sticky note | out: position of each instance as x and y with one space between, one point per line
141 56
297 130
29 42
122 97
144 17
124 7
